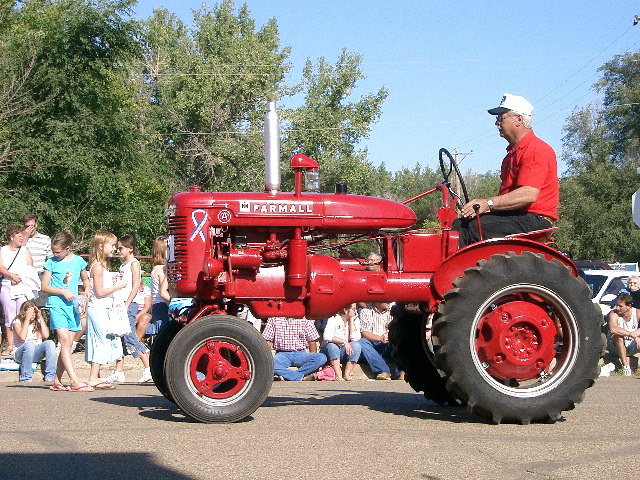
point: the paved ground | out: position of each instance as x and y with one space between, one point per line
316 430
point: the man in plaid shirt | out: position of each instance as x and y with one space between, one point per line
290 337
374 328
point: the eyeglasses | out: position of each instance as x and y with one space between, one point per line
501 116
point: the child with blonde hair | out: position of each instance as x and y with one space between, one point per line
60 280
101 348
131 274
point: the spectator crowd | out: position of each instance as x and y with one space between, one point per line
47 289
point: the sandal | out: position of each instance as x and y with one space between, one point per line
59 388
103 386
82 388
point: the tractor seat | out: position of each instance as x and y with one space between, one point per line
542 236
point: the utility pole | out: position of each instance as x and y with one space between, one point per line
456 180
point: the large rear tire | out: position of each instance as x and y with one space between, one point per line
219 369
158 354
519 339
411 353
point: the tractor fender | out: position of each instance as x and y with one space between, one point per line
455 265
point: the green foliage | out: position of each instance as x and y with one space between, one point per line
602 151
207 89
73 149
328 126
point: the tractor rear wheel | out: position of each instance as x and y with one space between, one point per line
519 339
158 354
219 369
411 353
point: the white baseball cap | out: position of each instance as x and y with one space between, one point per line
513 103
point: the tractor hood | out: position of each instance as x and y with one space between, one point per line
324 211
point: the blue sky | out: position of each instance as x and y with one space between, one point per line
445 63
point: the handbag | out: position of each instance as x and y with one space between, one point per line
12 262
326 373
118 321
119 325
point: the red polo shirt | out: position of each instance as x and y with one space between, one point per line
532 163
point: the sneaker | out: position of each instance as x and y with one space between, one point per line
309 378
383 376
400 376
626 370
146 376
114 377
606 369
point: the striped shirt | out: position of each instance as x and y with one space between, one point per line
40 249
375 322
290 334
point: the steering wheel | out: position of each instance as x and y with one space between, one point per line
446 174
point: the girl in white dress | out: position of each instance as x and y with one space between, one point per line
101 348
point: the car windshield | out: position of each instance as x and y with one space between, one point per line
615 286
595 282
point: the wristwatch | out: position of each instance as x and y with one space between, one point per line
490 204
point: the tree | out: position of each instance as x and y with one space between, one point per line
328 127
601 150
208 89
102 117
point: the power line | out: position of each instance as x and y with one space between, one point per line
481 137
585 65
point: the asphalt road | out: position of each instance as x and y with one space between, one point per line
317 430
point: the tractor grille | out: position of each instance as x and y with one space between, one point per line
177 228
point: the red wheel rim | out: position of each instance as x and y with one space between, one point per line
516 340
219 369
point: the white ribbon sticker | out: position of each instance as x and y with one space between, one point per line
199 224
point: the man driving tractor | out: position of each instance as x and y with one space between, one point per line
529 192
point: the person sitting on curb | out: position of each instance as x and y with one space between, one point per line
634 289
290 337
341 341
31 339
624 334
374 328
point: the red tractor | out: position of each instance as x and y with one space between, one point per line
515 335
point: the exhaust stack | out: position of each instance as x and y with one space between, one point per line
272 150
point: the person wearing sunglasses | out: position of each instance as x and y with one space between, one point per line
528 196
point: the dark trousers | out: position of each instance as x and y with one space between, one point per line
498 224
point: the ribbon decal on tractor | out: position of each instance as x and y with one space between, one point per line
199 224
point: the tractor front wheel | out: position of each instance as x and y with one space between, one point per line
519 339
219 369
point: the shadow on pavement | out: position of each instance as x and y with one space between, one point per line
409 405
103 466
155 407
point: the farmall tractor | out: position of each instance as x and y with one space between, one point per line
515 335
